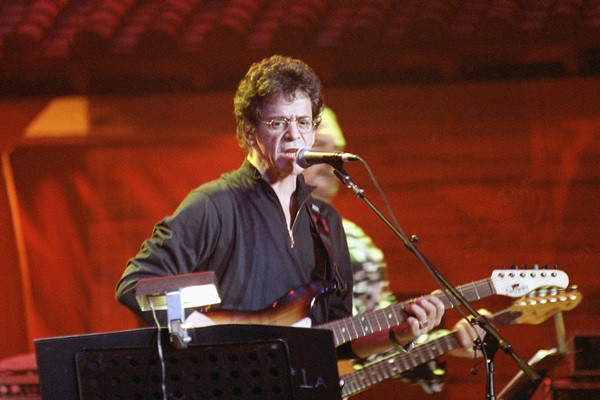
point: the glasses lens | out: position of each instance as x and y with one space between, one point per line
279 125
305 125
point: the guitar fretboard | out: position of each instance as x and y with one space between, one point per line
393 366
347 329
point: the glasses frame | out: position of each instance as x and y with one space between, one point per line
288 121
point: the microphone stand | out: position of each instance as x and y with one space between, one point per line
493 340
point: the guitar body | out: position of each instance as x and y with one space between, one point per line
293 309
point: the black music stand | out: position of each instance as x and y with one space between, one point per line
254 370
221 362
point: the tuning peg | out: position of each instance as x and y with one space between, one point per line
572 288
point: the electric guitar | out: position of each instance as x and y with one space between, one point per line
527 310
295 307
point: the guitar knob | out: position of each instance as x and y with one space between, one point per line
535 266
545 266
514 266
524 266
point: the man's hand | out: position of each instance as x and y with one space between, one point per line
424 314
197 320
466 335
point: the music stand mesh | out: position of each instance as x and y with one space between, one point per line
249 370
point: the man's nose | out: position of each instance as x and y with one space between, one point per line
292 132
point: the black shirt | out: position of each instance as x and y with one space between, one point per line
235 226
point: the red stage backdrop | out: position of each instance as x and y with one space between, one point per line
486 174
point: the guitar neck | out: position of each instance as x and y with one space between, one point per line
347 329
393 366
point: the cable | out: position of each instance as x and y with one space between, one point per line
160 353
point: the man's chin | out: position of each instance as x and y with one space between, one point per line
292 168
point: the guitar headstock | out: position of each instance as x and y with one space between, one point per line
540 305
518 282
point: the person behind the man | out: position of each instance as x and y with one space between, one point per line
252 227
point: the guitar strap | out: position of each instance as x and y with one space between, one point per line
329 270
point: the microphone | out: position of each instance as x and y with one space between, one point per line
306 157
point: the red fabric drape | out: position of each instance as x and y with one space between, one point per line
86 210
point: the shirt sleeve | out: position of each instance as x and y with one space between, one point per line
180 244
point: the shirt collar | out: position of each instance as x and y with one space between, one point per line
303 190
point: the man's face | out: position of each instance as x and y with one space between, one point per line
321 175
277 150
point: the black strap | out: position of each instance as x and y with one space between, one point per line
332 274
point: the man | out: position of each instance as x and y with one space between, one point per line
253 226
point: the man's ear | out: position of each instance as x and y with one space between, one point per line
249 131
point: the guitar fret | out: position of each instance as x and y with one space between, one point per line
490 286
435 348
385 373
342 331
351 328
356 331
367 328
392 314
375 314
476 292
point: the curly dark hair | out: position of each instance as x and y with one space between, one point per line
276 75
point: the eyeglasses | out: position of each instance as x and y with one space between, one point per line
279 125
